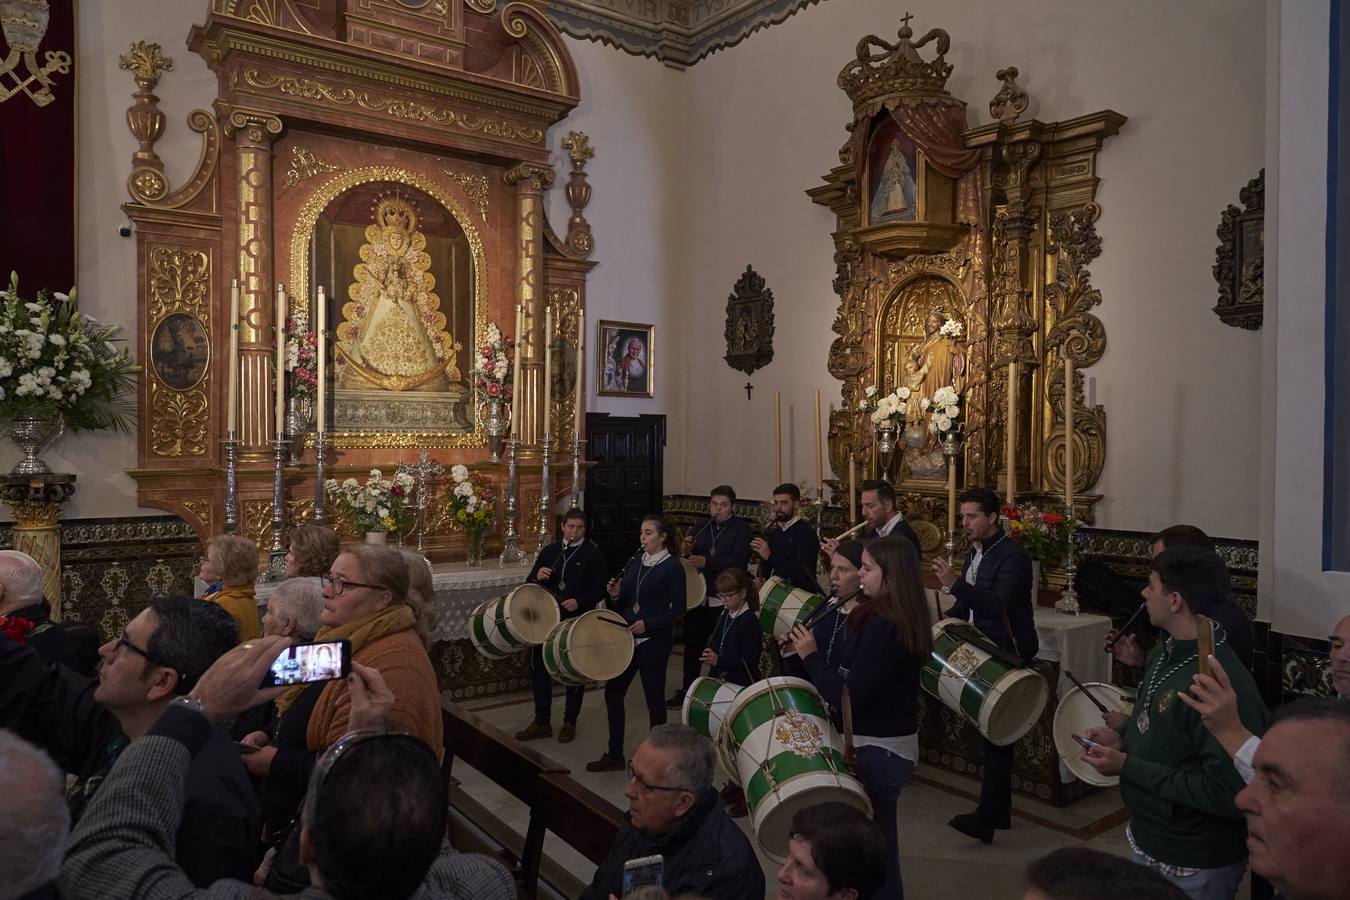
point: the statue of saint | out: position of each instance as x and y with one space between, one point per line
938 355
393 335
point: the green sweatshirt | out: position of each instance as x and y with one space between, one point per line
1178 782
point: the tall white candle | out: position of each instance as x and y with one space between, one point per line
515 371
232 391
777 438
280 318
321 329
1012 433
820 469
548 370
1068 431
581 376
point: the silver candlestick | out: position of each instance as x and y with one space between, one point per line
320 494
1068 598
276 563
231 486
420 472
546 494
577 443
511 552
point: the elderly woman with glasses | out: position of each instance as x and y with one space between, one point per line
230 568
365 601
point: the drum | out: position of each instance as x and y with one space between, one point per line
595 646
514 621
1000 700
694 586
1075 715
781 606
706 703
788 756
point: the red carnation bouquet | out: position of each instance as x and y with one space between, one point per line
1046 535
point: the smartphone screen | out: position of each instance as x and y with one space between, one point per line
643 872
308 663
1084 742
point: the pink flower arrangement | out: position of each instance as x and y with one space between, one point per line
492 366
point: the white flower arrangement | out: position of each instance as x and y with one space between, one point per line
952 329
472 502
945 405
380 504
887 411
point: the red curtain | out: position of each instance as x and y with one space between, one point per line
37 165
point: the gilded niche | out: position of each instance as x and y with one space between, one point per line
179 350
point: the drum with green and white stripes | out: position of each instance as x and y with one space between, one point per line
510 623
1002 701
788 757
706 703
781 606
595 646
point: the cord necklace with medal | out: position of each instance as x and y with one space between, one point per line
565 558
1155 682
643 571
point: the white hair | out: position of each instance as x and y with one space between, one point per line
36 823
301 599
21 576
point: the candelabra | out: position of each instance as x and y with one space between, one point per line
576 471
320 494
231 486
545 494
420 472
511 552
951 446
1068 598
276 564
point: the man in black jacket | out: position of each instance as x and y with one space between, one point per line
575 571
86 724
21 598
675 813
994 594
721 543
789 547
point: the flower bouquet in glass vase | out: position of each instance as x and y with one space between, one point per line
378 506
492 368
302 369
472 501
59 369
887 414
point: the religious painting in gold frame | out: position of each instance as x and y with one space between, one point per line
406 282
626 363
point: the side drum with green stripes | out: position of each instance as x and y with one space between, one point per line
488 632
781 606
1001 701
595 646
706 704
788 756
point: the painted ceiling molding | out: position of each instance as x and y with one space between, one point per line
677 32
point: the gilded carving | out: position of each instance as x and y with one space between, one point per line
475 187
178 282
566 306
147 183
536 177
1239 263
304 164
255 521
483 6
312 89
178 421
1010 101
201 511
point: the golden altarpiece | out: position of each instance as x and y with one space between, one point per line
394 153
988 228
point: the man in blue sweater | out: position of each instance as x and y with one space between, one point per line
789 547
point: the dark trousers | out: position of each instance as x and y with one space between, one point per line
883 774
649 661
996 787
542 685
698 626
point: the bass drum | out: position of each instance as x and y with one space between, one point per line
595 646
693 585
1077 713
705 708
512 622
788 756
999 699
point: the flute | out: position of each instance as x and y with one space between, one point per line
852 531
1124 629
688 542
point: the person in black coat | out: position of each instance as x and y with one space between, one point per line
733 653
574 570
721 543
650 595
22 602
878 505
887 638
673 811
993 592
789 547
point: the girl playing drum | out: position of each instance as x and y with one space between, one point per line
733 652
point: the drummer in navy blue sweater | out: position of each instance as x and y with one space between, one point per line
733 652
789 547
650 595
887 638
574 571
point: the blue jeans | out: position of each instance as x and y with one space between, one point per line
1207 884
883 774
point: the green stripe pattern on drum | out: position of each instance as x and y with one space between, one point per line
487 631
964 677
706 703
781 606
556 655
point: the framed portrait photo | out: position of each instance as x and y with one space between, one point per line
624 365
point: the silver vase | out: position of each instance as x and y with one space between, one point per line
886 443
496 424
299 420
31 434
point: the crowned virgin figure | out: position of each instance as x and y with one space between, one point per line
393 335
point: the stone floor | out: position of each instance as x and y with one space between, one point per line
937 862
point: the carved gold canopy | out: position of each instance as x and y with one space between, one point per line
990 228
394 153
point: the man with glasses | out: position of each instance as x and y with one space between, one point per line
674 812
85 724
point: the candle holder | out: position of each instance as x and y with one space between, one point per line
511 552
276 562
231 484
546 494
951 448
320 493
420 472
1068 598
576 472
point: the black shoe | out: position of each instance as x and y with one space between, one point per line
676 700
607 763
1003 824
974 826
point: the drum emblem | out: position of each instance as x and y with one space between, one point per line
964 661
798 733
